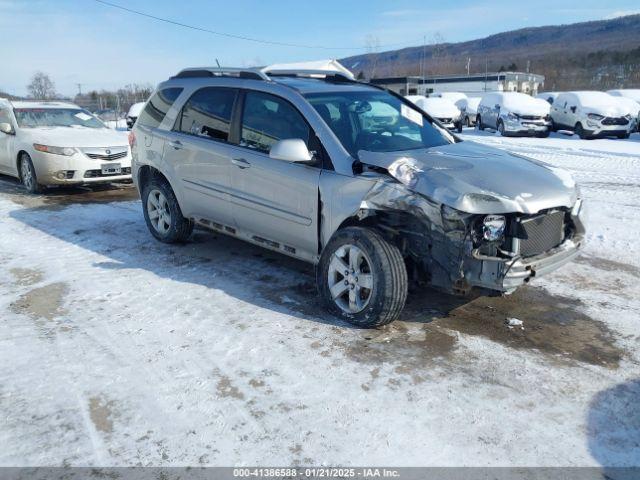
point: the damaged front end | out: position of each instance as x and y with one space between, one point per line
499 242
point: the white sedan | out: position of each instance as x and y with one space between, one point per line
56 143
440 108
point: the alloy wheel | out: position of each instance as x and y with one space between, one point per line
158 211
27 174
350 278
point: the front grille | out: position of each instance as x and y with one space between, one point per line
531 117
541 233
113 156
98 173
615 121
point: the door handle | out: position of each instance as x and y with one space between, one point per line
240 163
177 144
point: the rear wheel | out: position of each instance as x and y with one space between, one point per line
479 125
162 212
459 127
28 175
362 278
501 128
467 121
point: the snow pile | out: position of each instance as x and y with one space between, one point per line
600 103
469 105
331 65
135 109
523 104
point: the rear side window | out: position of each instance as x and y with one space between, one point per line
4 117
156 109
267 119
208 113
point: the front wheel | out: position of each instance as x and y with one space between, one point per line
362 278
28 175
501 128
580 131
163 214
544 134
479 125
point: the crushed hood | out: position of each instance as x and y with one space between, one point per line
475 178
77 136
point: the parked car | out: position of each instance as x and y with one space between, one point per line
133 113
591 114
548 97
514 113
352 178
633 110
106 114
441 108
56 143
468 110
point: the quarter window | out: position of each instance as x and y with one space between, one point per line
158 106
267 119
208 113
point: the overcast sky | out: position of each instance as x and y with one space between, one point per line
83 41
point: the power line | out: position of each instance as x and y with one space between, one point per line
237 37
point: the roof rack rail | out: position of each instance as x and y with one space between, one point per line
252 73
338 75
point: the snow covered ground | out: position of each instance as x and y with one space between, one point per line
118 350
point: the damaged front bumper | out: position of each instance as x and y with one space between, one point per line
505 275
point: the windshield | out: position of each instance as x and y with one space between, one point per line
56 117
376 122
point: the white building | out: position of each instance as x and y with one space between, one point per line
473 85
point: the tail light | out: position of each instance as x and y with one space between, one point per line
132 139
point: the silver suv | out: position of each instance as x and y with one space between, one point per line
352 178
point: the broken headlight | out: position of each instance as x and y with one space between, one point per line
406 171
493 227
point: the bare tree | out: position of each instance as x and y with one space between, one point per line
41 87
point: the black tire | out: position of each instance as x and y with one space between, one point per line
552 127
479 124
28 175
580 131
467 121
389 277
501 128
544 134
459 127
179 228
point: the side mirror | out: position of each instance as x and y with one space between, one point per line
291 150
497 107
6 128
573 109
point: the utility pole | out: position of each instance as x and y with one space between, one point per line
468 65
79 88
424 61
